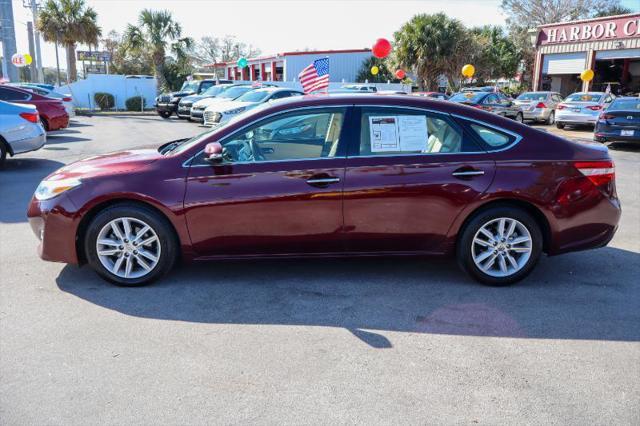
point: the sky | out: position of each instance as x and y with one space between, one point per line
281 25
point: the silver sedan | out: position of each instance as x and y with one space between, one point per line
539 106
582 108
20 130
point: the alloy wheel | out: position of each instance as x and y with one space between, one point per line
128 247
501 247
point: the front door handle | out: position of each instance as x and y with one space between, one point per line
324 181
466 173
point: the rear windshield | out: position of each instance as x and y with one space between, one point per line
584 97
625 104
473 97
532 97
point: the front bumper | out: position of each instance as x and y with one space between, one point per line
53 222
167 107
184 111
197 114
58 122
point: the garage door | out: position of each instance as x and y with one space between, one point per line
618 54
564 63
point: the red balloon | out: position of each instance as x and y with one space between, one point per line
382 48
400 74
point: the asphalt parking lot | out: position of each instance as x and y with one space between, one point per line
377 341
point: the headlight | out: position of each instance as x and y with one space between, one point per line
175 99
234 111
51 188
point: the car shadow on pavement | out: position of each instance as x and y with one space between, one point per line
624 146
20 176
588 295
63 138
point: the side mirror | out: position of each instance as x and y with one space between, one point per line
213 152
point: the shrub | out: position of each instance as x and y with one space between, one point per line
134 103
104 100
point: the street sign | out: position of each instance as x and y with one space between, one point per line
84 55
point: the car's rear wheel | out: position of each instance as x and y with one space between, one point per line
500 246
3 152
44 123
130 245
164 114
559 125
520 117
552 118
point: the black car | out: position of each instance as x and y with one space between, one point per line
495 102
620 121
167 103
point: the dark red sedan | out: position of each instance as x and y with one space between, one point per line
352 175
52 113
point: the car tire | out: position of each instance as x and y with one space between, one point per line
519 117
164 248
164 114
44 123
552 118
559 125
3 152
500 262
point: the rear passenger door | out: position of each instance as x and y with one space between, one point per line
407 177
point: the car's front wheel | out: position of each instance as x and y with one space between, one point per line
519 117
500 246
552 118
130 245
164 114
559 125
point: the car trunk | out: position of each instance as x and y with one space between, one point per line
630 119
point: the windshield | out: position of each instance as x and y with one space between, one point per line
214 91
532 97
473 97
234 92
625 104
584 97
189 86
254 96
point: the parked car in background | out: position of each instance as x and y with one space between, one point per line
496 103
619 122
20 130
343 175
229 94
185 105
479 89
167 103
53 114
360 87
432 95
220 113
66 99
539 106
582 108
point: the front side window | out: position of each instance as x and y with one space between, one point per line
294 136
402 132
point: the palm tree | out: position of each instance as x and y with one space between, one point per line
69 22
156 31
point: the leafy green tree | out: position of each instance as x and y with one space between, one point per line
157 33
384 73
69 22
614 9
428 45
496 55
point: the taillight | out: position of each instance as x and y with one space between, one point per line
600 173
67 99
595 107
30 116
560 106
541 105
605 116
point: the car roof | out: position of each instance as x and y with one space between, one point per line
275 89
628 98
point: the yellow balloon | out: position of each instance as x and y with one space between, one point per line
586 75
375 70
28 59
468 70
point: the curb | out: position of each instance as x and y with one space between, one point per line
115 113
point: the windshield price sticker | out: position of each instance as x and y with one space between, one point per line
398 133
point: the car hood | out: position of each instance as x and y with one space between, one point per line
206 102
107 164
228 106
192 98
177 94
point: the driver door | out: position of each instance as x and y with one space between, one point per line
277 191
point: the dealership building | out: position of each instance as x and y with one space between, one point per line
343 65
609 46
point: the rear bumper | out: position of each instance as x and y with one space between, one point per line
58 122
541 114
576 118
604 132
31 143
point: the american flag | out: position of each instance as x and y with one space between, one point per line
316 76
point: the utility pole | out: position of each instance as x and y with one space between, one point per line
8 37
33 5
33 72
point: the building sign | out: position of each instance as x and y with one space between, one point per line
594 30
84 55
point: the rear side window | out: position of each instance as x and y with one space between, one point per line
492 137
12 95
400 132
